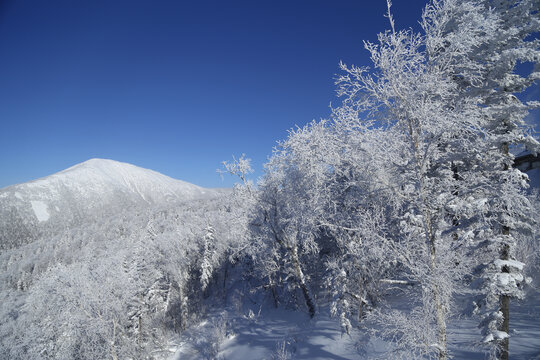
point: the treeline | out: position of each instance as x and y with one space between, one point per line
120 287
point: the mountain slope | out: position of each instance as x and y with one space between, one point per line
92 189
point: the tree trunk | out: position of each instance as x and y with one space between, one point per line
139 338
505 326
441 325
504 306
440 306
113 342
273 290
441 320
440 311
292 248
183 309
301 280
504 300
225 276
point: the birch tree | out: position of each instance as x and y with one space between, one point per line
413 100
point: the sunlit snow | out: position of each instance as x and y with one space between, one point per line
40 210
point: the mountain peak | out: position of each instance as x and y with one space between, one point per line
101 176
102 164
89 189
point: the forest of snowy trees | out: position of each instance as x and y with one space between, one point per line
412 177
409 184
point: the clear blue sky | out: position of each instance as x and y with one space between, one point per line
174 86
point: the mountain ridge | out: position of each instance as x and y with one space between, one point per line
83 192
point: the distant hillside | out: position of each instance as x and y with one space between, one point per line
83 192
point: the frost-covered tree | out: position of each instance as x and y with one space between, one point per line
445 98
207 265
482 44
287 214
118 287
319 213
413 100
358 213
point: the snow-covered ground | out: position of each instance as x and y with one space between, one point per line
524 332
286 334
267 334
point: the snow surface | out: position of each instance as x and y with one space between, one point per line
40 210
258 337
102 174
510 263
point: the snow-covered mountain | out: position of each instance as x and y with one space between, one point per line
83 192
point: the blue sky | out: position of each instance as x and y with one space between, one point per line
173 86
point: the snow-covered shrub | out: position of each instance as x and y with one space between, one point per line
281 352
